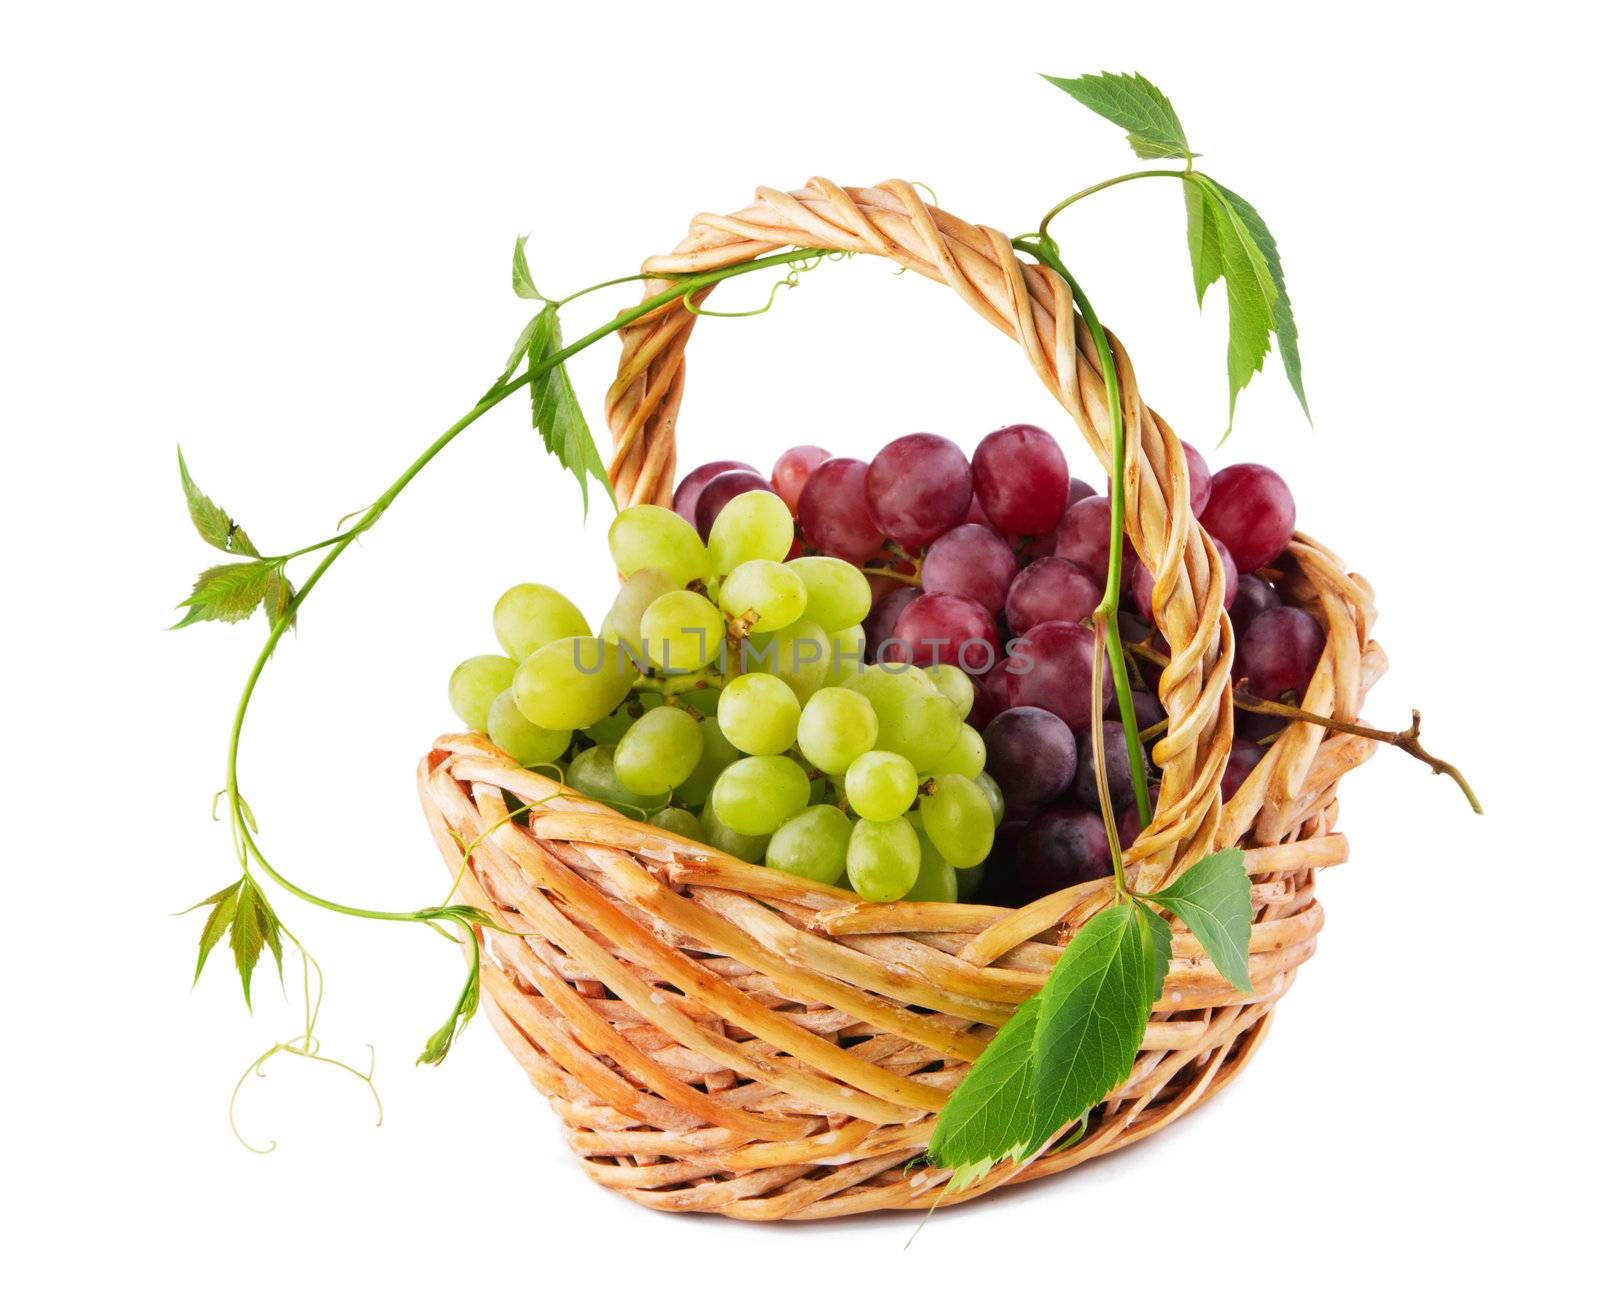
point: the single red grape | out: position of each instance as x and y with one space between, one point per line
1020 476
1144 583
719 491
1255 596
1244 757
918 487
1279 652
689 487
833 511
1052 668
943 629
1199 480
1052 588
793 469
1085 537
970 561
1031 754
1078 490
1252 511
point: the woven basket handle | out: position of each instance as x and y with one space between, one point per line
1033 306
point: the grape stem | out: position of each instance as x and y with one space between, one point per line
880 572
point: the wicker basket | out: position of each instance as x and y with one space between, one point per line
724 1038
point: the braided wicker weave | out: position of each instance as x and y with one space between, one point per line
725 1038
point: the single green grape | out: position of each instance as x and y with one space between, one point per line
573 682
797 654
759 714
653 537
530 615
660 751
754 526
634 597
846 655
836 727
716 754
996 798
520 738
952 680
681 632
812 844
883 859
837 594
936 877
914 717
967 756
718 834
880 785
684 823
475 683
959 820
755 795
774 592
969 882
593 772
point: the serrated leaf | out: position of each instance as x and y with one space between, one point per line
1212 898
1092 1016
557 414
228 593
1134 104
211 522
1282 312
521 279
224 903
279 597
1158 945
1205 243
1250 296
246 937
990 1116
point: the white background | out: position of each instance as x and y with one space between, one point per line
282 238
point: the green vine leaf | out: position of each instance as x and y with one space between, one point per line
279 597
242 912
557 414
990 1115
1205 240
1137 106
216 925
213 523
440 1042
229 593
521 279
1212 898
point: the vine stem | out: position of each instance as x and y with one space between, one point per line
1095 189
1107 635
246 844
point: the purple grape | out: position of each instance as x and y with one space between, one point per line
1052 588
918 487
1128 825
688 491
1144 583
1119 773
1020 477
1199 480
1031 754
1077 491
880 621
1255 595
1244 757
1252 511
1061 848
1147 711
970 561
943 629
1051 667
1279 652
1253 726
833 511
1085 538
719 491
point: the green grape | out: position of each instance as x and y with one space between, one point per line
952 680
812 844
883 859
967 756
774 592
936 878
659 751
846 655
969 882
759 714
880 785
997 800
520 738
637 592
914 717
755 795
959 820
754 526
836 727
593 772
837 594
475 683
682 822
797 654
681 632
718 834
573 682
530 615
653 537
716 754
